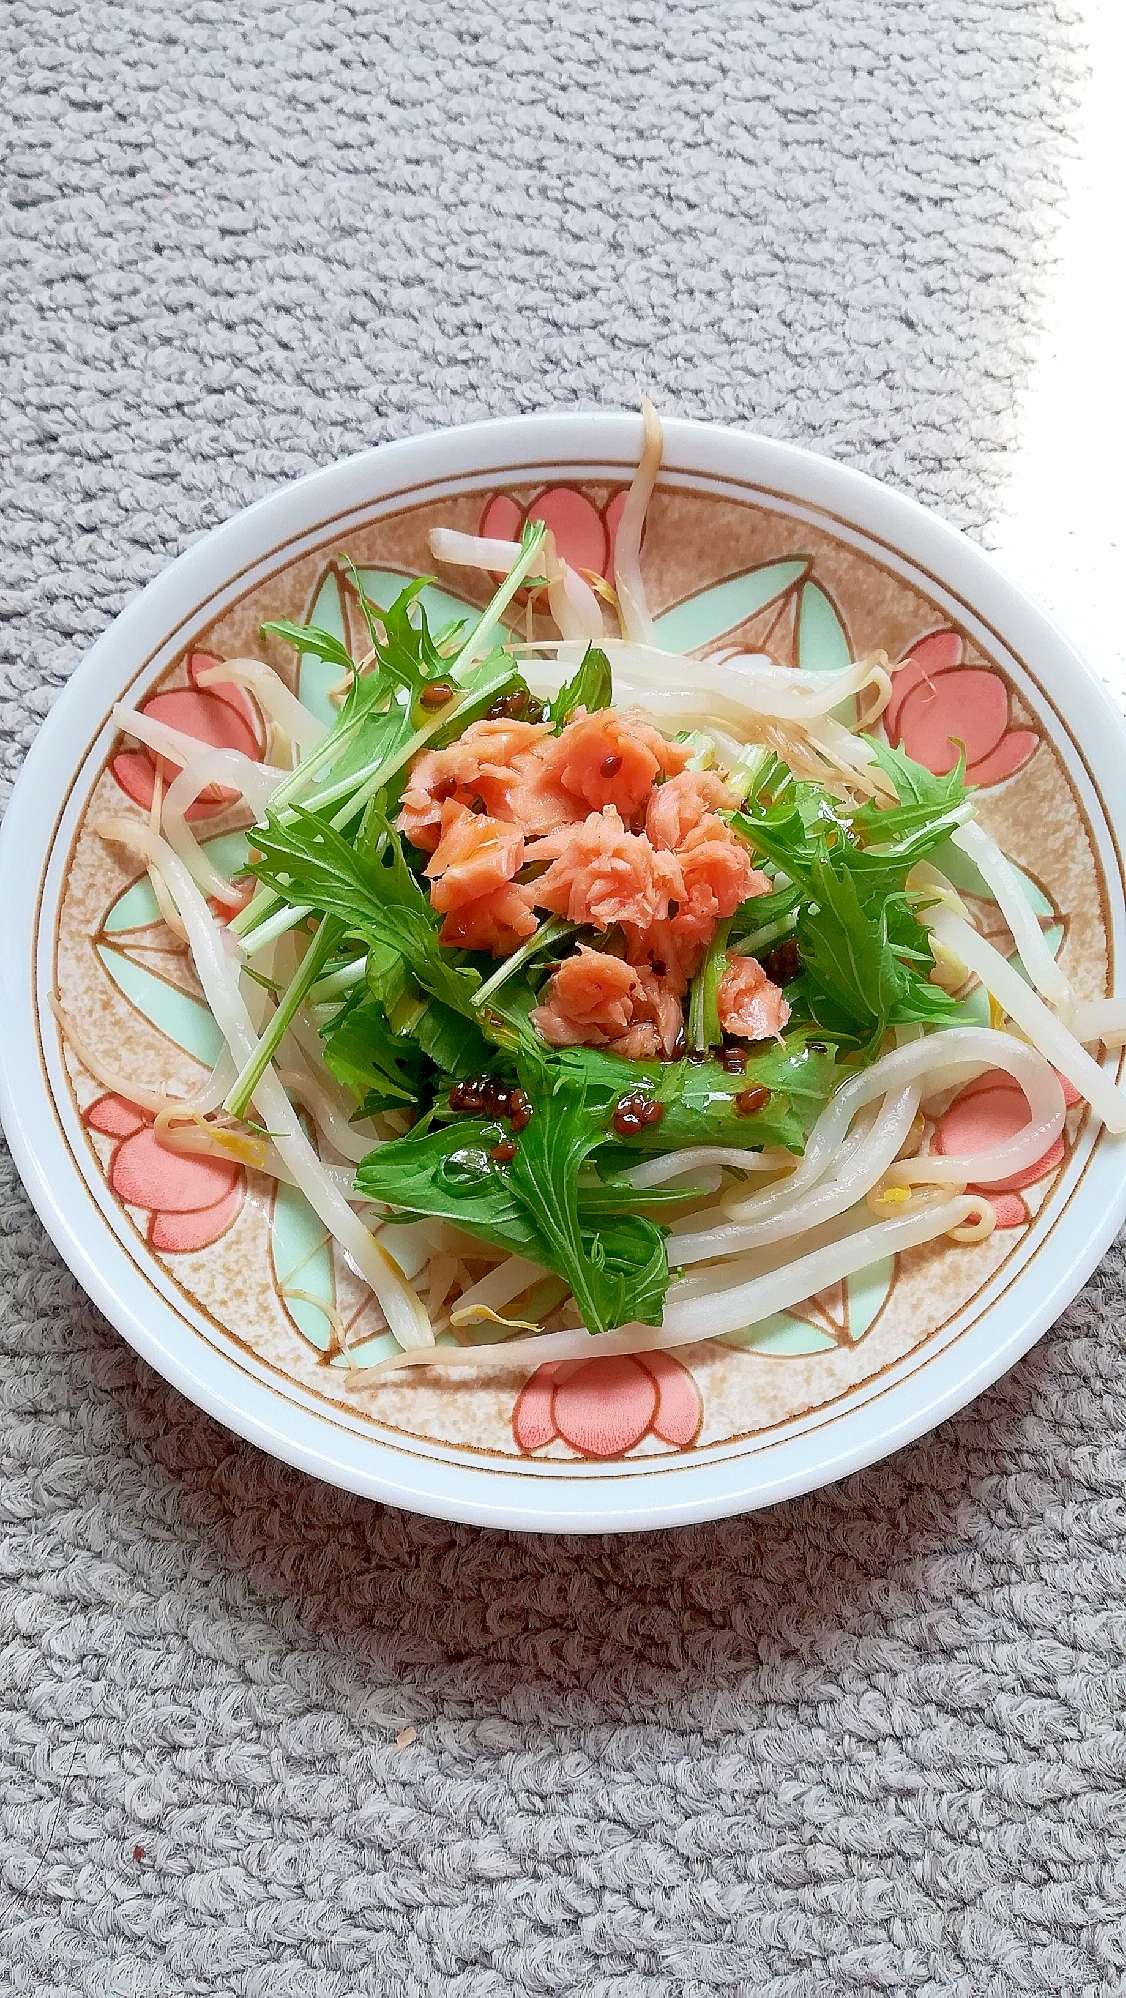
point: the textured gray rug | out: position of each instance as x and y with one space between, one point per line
871 1740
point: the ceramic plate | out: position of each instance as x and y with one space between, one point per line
227 1286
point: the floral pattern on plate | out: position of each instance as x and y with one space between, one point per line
939 705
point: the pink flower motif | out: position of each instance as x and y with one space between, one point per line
986 1113
583 536
222 716
937 702
191 1200
606 1407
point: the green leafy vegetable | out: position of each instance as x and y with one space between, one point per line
865 957
374 896
405 651
762 910
449 1172
618 1271
454 1044
382 1069
923 797
592 688
701 1099
856 979
417 1016
614 1263
311 638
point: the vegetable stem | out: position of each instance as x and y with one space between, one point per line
326 752
768 934
548 933
303 978
492 614
742 774
344 980
702 748
285 917
257 909
703 1012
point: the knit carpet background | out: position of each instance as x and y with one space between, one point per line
869 1740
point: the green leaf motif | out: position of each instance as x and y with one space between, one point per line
302 1258
789 1334
375 897
701 619
184 1020
136 907
822 644
782 1335
960 871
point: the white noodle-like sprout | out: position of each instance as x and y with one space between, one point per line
272 696
497 1289
442 1275
208 1096
473 551
924 875
955 1052
182 793
227 768
183 1130
850 755
691 1318
341 1135
1020 1002
170 915
868 1164
571 600
670 1165
819 749
1100 1020
999 874
219 979
826 1146
573 603
630 590
187 1130
752 681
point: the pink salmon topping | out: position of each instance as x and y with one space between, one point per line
474 855
749 1004
718 871
591 1000
602 874
510 792
598 1001
607 759
498 922
676 808
482 765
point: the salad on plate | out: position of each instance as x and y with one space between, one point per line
591 993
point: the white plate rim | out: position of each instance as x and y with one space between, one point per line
595 1502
